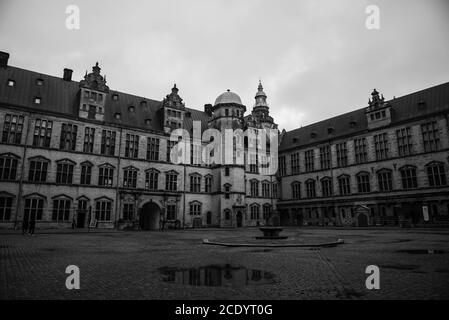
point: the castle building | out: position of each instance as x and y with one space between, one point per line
81 153
386 164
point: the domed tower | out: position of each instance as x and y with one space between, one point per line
228 111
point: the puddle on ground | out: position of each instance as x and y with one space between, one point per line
217 276
421 251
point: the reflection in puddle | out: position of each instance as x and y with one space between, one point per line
217 276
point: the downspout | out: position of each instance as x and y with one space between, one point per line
117 206
19 197
184 199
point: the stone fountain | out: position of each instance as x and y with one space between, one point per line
272 230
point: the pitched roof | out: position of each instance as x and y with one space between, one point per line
62 97
407 107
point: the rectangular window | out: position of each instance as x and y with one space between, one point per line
342 154
363 183
226 171
151 179
86 173
266 211
132 146
195 209
108 142
208 184
294 158
89 137
405 146
103 210
61 210
274 190
12 129
325 157
42 133
431 136
64 173
34 208
38 171
266 189
282 166
309 161
105 176
130 178
381 146
385 181
171 212
195 183
436 174
5 208
68 136
152 149
361 155
128 211
171 182
326 186
8 168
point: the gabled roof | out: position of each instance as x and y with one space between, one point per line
62 97
404 108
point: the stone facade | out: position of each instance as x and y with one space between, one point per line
101 150
408 144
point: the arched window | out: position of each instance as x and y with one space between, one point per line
296 190
64 171
363 182
311 188
408 177
195 208
436 174
130 177
326 187
255 211
171 181
8 166
344 184
195 182
385 180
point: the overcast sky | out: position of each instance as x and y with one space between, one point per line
316 59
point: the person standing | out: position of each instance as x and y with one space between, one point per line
25 223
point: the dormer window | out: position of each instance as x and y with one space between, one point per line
147 121
37 100
330 130
143 103
11 83
117 116
100 97
131 108
313 135
86 94
39 82
115 97
93 95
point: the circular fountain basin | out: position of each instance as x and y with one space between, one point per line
271 233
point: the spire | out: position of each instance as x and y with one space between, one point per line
261 97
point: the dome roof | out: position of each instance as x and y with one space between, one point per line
228 97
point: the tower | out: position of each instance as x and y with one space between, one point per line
93 92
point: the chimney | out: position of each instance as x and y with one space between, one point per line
208 109
4 56
67 74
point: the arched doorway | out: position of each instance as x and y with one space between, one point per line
239 218
362 220
150 216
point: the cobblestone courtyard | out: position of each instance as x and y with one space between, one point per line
130 265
